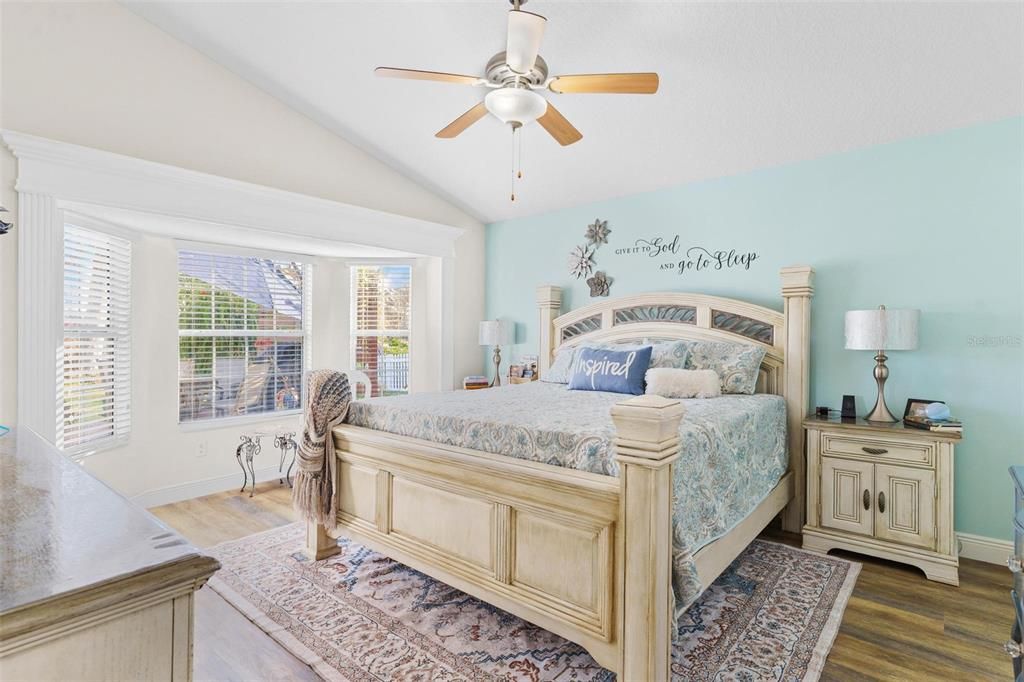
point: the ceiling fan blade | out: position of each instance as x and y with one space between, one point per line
463 122
559 127
624 83
413 74
525 31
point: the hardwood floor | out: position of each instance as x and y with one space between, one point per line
897 626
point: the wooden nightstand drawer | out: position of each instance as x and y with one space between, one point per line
864 447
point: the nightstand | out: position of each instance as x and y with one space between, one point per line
884 490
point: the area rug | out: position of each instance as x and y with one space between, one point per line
772 615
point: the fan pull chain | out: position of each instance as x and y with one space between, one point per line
516 173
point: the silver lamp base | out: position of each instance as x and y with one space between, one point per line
496 381
880 412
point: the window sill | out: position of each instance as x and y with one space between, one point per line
227 422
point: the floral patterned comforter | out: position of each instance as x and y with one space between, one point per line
733 448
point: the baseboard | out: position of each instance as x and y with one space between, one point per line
208 486
981 548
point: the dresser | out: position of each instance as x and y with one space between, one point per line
1016 564
91 586
883 490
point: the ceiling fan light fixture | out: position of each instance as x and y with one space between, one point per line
525 31
515 105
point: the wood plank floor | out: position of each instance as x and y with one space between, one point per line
897 626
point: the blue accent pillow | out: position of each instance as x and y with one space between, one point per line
615 371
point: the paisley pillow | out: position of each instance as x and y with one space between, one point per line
670 354
737 364
558 372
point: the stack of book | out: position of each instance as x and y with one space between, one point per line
944 425
475 382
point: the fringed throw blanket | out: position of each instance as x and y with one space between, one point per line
328 396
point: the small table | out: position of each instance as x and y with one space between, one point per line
250 447
884 490
285 441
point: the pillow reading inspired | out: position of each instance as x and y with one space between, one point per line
615 371
737 364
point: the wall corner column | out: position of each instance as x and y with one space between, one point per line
646 446
40 312
797 290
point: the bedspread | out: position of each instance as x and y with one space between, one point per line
733 448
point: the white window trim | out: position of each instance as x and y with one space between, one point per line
307 334
84 450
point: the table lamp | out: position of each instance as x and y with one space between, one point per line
497 333
881 330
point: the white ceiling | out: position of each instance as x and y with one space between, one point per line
743 86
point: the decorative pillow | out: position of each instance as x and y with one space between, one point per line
615 371
683 383
671 354
558 372
737 364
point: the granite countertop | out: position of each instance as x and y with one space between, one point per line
66 539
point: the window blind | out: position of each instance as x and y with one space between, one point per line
94 389
242 335
381 311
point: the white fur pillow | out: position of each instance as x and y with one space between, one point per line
684 383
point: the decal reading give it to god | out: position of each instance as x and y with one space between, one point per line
695 258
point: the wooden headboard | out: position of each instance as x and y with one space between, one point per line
785 337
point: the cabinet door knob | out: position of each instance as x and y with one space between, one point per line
881 502
874 451
867 499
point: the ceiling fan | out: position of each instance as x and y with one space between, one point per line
514 76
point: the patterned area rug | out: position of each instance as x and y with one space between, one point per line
772 615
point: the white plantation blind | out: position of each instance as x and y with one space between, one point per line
381 310
242 334
94 389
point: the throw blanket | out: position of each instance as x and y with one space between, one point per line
328 397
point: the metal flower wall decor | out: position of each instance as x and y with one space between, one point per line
581 260
600 284
4 226
597 232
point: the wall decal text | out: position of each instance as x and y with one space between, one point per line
693 259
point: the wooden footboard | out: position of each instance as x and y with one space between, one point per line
543 542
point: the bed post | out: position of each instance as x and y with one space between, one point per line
319 543
797 290
549 303
646 445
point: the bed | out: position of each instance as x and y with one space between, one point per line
596 516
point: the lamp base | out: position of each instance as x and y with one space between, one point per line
880 412
496 381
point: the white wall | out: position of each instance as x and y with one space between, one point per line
95 74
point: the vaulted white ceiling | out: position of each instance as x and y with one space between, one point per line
743 86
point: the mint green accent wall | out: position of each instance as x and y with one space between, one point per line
935 223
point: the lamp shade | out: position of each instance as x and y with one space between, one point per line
496 333
882 329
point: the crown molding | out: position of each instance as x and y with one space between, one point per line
83 175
